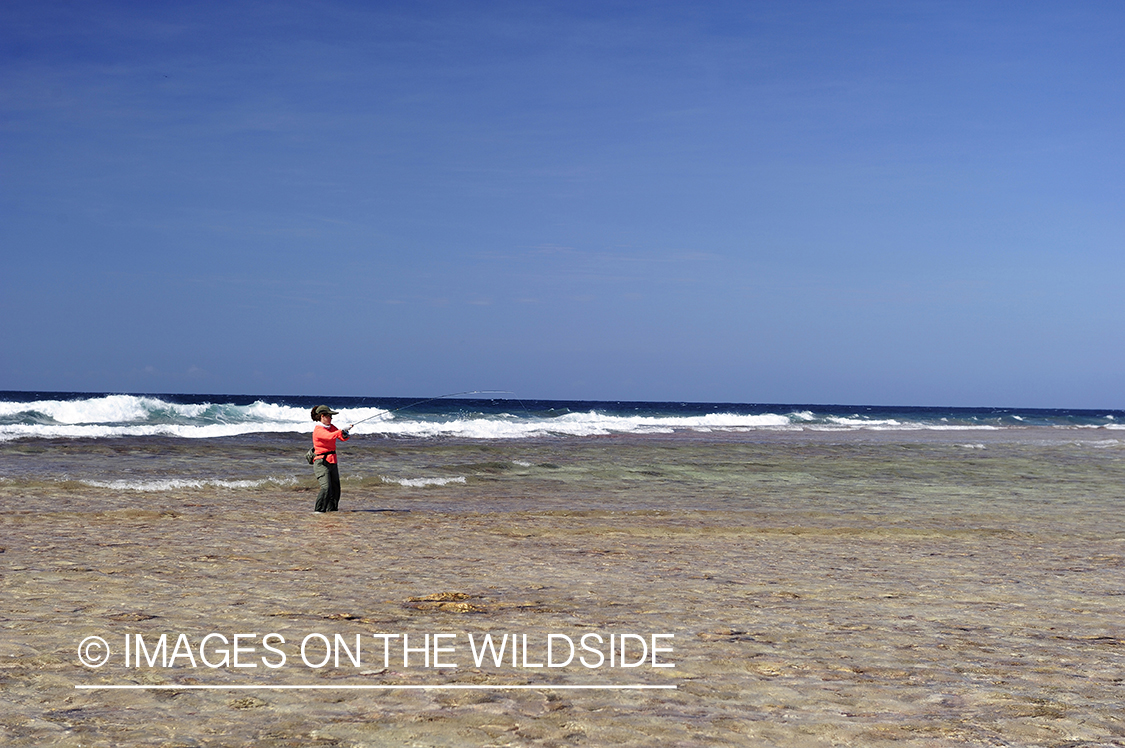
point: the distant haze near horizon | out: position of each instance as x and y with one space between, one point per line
802 203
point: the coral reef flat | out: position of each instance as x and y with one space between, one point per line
818 589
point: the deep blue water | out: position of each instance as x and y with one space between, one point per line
486 416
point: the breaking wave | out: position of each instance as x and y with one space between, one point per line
190 417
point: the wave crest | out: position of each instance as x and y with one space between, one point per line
105 416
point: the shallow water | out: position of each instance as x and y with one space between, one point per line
822 589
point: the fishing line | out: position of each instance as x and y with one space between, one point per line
430 400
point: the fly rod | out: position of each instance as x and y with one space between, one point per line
430 400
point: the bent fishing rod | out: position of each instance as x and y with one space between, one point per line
430 400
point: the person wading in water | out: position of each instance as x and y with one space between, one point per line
325 466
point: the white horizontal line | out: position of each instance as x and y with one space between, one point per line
461 686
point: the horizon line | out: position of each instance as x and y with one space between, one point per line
517 398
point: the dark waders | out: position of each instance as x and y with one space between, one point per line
328 476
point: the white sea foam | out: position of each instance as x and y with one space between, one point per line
866 423
590 423
17 431
137 415
422 482
108 409
891 424
174 484
133 415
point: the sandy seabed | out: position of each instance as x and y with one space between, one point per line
794 622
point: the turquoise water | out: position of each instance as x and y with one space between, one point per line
859 586
1012 478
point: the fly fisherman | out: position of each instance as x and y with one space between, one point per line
325 467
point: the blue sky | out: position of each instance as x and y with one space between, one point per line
902 203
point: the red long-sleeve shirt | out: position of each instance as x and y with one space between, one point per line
324 440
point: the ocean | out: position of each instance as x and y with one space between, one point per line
91 415
824 575
162 442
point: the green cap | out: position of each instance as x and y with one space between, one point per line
322 410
